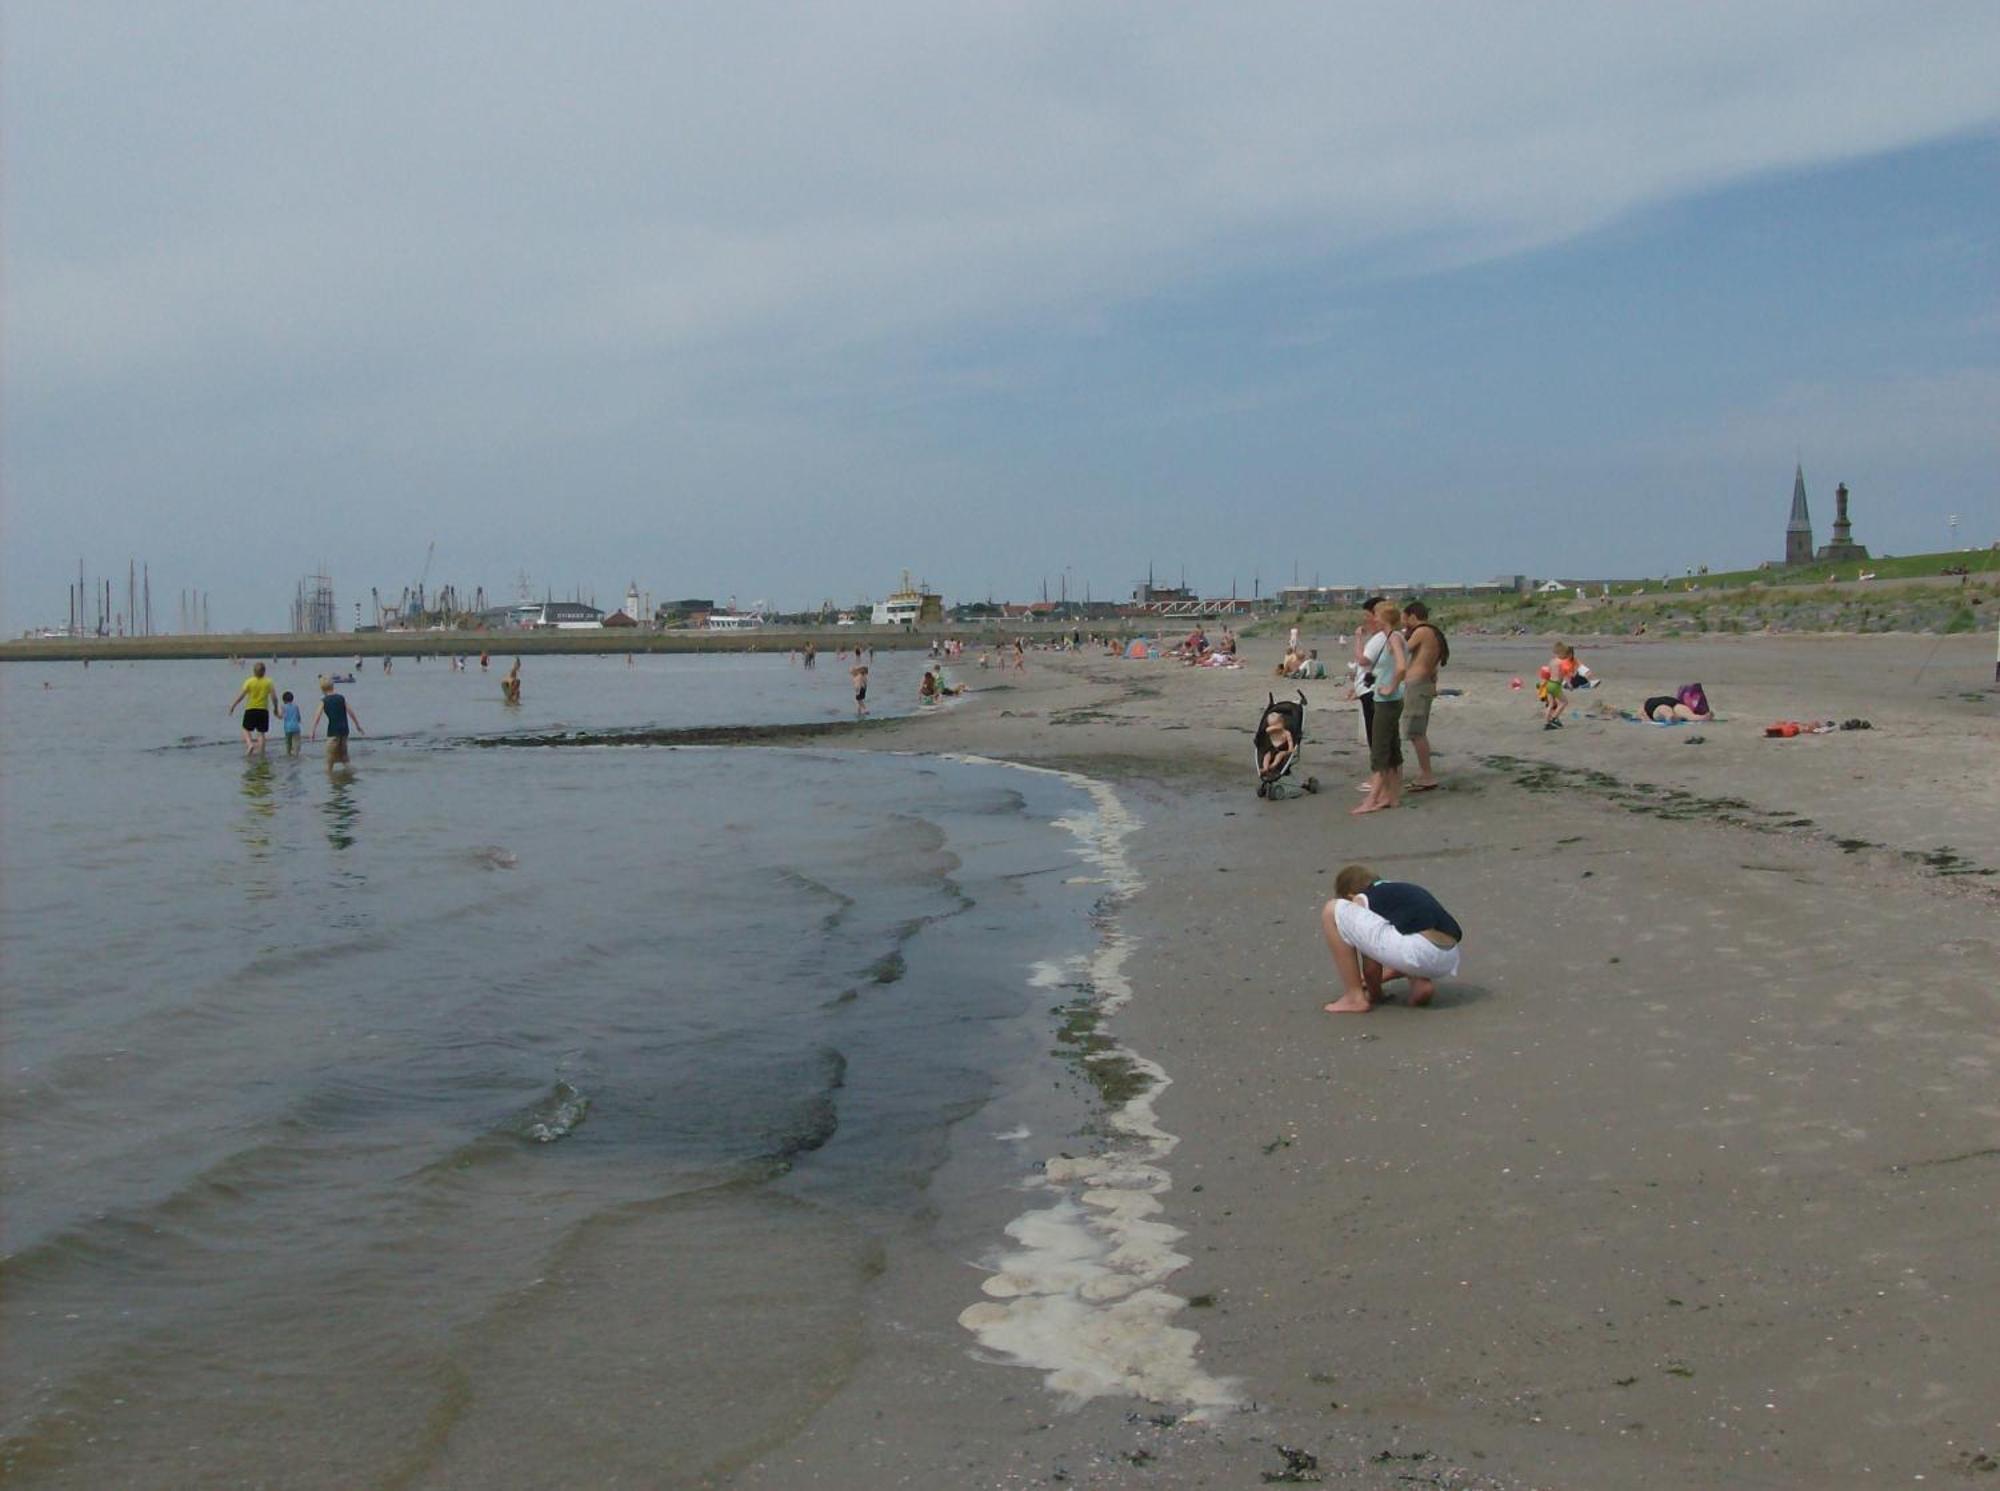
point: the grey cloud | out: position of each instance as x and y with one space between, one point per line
270 180
470 249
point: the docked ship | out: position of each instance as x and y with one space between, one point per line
732 620
912 606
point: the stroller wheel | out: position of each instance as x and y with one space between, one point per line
1263 789
1312 784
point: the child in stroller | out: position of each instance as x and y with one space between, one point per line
1281 730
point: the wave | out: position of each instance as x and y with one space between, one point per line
842 902
552 1117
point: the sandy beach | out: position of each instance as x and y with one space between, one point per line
1691 1180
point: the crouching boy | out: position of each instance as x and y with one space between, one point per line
1384 929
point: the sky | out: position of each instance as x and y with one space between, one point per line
778 301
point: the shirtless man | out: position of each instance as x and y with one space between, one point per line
1425 643
859 674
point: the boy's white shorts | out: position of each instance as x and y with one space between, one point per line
1374 937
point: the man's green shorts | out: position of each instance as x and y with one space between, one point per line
1417 697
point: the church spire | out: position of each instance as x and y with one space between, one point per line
1798 531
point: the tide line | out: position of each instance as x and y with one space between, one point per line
1080 1295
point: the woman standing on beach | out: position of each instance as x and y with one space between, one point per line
1385 744
1368 645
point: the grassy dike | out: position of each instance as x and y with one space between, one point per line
1778 602
1929 607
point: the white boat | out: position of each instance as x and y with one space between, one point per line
911 606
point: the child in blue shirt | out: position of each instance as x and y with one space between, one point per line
290 716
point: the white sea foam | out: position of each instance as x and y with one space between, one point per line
1079 1295
1047 975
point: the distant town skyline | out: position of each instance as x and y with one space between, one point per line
991 295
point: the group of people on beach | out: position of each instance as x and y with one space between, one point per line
1377 929
1197 650
259 704
1398 651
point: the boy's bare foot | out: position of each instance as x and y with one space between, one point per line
1422 991
1353 1002
1429 785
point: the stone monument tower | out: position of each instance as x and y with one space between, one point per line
1843 545
1798 532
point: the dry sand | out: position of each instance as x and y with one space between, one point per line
1691 1180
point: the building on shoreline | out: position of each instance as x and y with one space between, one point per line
566 616
1344 597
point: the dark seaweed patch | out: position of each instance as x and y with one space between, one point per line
703 735
1085 1045
1301 1468
1945 860
1677 805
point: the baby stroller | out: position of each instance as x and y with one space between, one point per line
1271 784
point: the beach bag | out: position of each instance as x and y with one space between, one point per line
1692 696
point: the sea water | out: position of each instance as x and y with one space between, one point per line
483 1116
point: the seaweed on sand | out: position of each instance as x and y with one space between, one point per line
1677 805
1099 1058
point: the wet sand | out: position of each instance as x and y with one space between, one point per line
1691 1180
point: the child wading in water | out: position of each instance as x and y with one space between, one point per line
1384 929
292 724
340 719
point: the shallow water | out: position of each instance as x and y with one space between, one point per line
482 1117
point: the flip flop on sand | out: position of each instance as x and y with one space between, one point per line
1425 786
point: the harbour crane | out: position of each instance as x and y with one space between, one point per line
412 608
